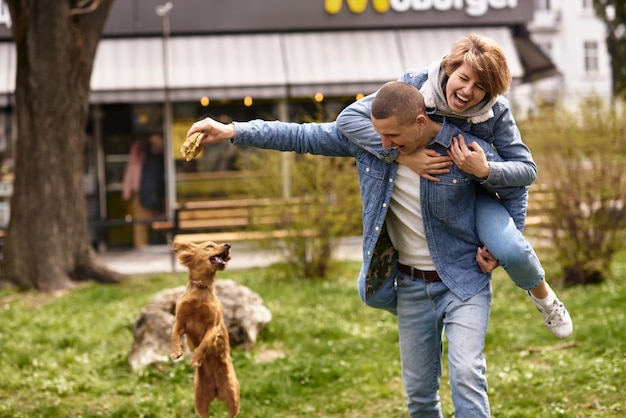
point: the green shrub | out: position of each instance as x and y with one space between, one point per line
330 189
582 159
332 208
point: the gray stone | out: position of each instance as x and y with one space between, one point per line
243 310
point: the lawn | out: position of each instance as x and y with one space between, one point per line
323 354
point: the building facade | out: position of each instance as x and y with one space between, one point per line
575 40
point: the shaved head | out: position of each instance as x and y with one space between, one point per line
398 99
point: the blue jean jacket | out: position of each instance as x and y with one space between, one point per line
516 168
448 205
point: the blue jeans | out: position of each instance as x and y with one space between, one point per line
498 233
424 309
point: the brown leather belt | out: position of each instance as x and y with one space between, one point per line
426 275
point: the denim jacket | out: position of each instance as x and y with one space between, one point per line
515 169
448 206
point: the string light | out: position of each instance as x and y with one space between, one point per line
319 97
247 101
204 101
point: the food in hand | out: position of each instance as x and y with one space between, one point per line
190 147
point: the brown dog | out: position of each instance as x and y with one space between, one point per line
199 316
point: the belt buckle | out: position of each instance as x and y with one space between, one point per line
421 274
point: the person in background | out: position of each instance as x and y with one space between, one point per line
152 184
466 87
143 185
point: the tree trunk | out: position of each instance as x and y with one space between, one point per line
47 245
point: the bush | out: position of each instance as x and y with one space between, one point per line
332 209
581 158
329 188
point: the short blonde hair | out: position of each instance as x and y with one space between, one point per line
485 57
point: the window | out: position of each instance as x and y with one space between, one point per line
591 57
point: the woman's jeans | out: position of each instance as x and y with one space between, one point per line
497 231
424 310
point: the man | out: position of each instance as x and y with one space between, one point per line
419 239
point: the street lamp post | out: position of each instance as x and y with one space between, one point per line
170 184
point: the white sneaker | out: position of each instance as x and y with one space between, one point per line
555 317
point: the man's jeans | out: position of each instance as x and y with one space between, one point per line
506 243
424 309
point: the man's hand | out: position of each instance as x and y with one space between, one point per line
486 261
469 158
426 162
212 132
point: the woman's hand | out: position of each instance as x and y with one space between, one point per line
212 132
486 261
426 162
469 158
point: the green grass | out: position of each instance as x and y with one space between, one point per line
65 355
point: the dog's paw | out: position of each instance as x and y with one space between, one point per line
175 355
196 360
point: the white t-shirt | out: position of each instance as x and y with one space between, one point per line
404 221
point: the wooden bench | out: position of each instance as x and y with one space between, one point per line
538 230
230 220
539 201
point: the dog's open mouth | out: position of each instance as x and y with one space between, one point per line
220 259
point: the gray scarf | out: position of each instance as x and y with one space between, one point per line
435 97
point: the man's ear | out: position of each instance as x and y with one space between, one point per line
421 120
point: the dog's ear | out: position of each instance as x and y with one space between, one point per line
184 251
185 257
178 246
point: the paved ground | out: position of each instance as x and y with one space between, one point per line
156 258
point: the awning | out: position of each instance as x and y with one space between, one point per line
218 66
340 63
535 63
271 65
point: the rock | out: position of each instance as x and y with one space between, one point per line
244 313
151 337
243 310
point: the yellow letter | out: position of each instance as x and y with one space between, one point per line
381 6
357 6
333 6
